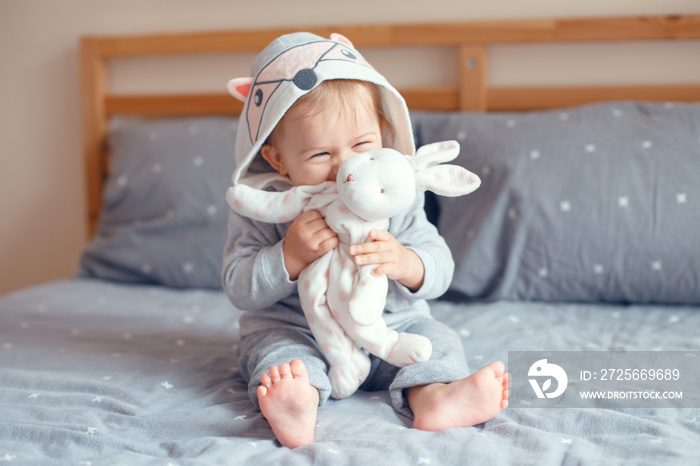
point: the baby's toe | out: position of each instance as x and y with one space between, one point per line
285 371
498 368
297 368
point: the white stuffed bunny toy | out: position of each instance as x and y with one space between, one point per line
343 302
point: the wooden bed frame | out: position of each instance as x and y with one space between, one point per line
472 40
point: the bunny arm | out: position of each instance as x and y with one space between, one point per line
274 206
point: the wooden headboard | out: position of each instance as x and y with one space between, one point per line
471 40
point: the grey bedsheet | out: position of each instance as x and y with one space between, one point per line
97 373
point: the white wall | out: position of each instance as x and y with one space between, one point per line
42 201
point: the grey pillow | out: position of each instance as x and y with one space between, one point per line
598 203
165 214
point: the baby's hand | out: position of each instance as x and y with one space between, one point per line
393 259
308 238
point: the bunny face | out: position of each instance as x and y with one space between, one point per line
377 185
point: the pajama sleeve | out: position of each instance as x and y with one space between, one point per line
254 275
413 230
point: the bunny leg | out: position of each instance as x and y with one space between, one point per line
348 365
368 296
399 349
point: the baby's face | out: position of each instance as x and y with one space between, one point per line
312 147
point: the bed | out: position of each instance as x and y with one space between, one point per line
582 238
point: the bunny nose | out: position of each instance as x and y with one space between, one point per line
350 178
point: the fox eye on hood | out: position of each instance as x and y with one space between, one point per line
258 98
348 54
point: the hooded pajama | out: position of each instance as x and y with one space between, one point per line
273 328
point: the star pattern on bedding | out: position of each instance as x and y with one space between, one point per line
676 197
161 167
632 203
248 416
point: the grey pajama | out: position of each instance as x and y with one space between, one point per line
265 348
274 330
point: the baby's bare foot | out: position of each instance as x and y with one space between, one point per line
465 402
289 403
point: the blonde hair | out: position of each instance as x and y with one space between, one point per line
343 94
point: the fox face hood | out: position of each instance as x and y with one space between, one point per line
290 67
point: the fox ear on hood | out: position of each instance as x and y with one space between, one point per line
342 39
240 87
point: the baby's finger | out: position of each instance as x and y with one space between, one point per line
318 225
380 235
371 258
380 270
366 248
310 216
328 243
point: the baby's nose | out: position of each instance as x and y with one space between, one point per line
333 174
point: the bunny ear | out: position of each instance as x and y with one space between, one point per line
433 154
447 180
240 87
342 39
